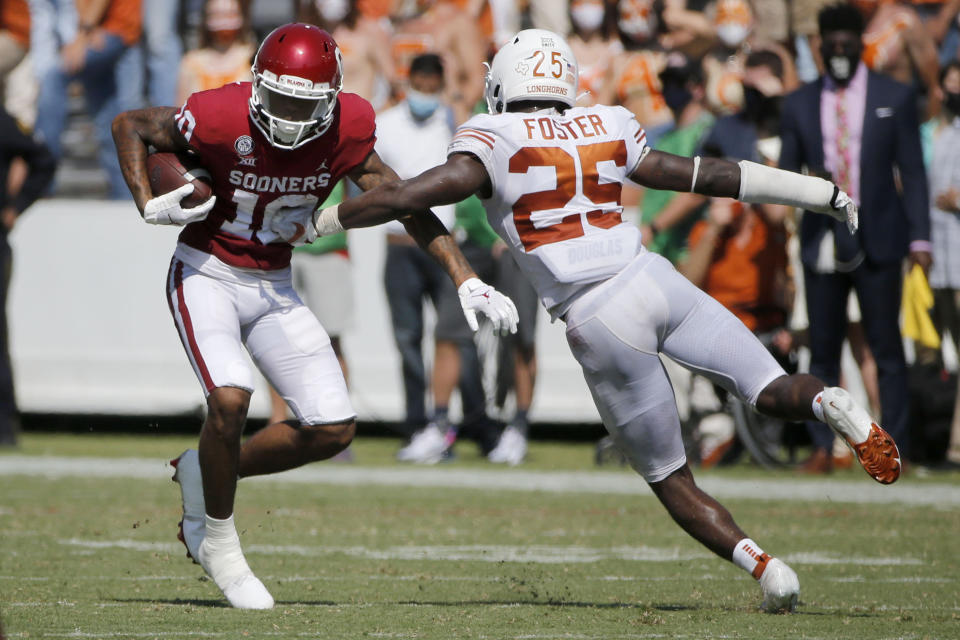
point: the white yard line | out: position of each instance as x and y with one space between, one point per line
533 554
862 491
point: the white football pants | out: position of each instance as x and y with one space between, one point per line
216 317
616 331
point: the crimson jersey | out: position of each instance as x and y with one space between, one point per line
252 179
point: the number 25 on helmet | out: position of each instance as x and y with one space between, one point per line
297 74
534 65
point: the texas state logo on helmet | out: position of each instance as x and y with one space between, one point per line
534 65
297 75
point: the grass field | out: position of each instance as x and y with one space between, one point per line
554 549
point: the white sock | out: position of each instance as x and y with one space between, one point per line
750 557
221 532
818 407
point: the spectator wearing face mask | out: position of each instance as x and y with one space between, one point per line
861 129
595 48
363 41
636 73
736 34
225 54
735 136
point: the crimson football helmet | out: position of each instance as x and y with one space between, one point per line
297 74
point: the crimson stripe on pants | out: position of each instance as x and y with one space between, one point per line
186 334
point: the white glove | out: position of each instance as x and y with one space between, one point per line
845 210
166 209
476 295
295 224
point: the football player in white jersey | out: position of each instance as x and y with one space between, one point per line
550 176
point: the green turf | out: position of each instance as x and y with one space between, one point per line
97 558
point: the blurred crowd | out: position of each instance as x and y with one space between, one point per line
707 77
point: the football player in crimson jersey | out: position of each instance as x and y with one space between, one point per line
274 148
550 176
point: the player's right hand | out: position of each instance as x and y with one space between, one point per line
166 209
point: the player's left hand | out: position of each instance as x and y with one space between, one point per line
295 224
844 209
476 295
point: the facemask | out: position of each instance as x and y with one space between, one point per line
952 102
587 16
840 68
677 97
732 34
422 105
333 10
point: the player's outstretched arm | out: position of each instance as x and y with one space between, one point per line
746 181
389 198
386 198
133 133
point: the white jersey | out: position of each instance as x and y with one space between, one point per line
557 180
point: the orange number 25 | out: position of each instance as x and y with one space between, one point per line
567 178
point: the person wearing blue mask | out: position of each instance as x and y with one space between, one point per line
413 136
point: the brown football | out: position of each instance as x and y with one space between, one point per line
168 171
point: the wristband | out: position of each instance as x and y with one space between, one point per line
327 222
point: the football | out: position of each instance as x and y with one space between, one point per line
168 171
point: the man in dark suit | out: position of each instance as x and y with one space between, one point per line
861 129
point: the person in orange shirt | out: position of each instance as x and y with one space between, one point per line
896 43
595 48
226 53
363 41
105 30
441 27
636 73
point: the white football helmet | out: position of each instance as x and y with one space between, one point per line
535 64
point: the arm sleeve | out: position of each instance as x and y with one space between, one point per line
40 161
909 159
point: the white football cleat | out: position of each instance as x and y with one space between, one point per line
427 446
230 572
875 449
193 524
781 587
511 448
